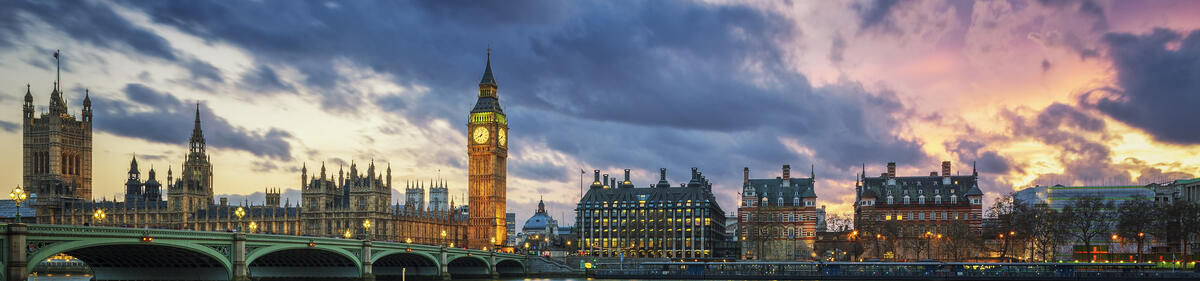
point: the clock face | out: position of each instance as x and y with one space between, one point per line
503 137
480 135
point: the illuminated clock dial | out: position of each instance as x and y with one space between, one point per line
503 138
480 135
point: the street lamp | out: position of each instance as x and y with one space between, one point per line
443 238
253 227
99 216
347 234
18 195
240 212
408 240
367 228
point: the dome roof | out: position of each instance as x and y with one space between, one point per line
538 221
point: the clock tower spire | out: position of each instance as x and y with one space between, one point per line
487 147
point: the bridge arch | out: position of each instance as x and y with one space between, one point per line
122 259
510 267
412 264
468 267
302 261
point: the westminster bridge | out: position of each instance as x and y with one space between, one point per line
158 254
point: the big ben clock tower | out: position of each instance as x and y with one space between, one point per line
487 145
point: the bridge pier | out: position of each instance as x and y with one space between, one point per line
492 265
15 262
445 265
367 272
240 271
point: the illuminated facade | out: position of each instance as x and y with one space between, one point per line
778 218
906 208
615 218
57 149
487 145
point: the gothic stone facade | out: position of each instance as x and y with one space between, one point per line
57 155
487 145
57 149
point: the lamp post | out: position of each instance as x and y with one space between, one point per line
253 227
1112 249
443 238
98 216
493 242
367 229
347 234
18 195
240 212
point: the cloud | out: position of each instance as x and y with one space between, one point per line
88 21
837 49
877 14
1046 65
9 126
643 85
263 166
1157 81
265 81
161 117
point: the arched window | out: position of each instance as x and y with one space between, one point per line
937 199
921 200
890 200
906 199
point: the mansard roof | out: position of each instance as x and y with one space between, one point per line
773 187
920 185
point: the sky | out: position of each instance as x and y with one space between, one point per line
1031 92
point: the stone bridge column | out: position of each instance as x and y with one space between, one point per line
445 265
367 272
15 269
240 272
492 264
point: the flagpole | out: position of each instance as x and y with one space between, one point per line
58 71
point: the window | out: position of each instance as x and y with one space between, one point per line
937 199
921 200
905 199
954 200
921 215
890 200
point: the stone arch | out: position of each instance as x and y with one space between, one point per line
302 261
411 264
510 267
468 267
124 259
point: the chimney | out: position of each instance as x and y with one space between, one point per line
891 170
626 175
787 172
745 175
597 176
224 201
662 174
606 180
945 168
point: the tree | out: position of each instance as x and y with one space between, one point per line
1087 218
1135 218
1178 221
1047 231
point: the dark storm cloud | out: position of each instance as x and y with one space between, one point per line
876 14
1066 128
1157 85
9 126
640 84
161 117
263 166
986 161
539 170
88 21
204 70
265 81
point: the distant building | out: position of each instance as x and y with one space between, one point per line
616 219
906 208
540 231
511 220
778 217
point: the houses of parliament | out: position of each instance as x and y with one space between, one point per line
57 170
